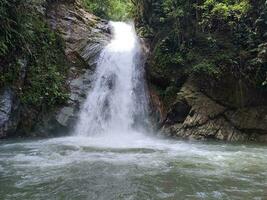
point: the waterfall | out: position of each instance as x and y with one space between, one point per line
117 101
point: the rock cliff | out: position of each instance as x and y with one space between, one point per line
206 68
197 116
84 36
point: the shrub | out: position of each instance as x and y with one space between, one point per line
110 9
24 34
206 68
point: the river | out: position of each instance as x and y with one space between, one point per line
136 167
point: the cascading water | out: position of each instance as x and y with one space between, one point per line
117 101
124 163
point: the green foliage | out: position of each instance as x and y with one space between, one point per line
99 8
110 9
174 9
166 62
165 58
10 26
225 9
145 31
206 68
121 10
25 35
47 69
226 14
208 37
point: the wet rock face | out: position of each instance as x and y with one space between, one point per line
9 112
85 36
197 116
179 112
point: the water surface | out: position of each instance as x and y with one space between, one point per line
130 167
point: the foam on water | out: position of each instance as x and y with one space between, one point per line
133 165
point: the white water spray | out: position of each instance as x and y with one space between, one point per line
118 100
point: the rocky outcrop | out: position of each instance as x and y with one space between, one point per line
85 35
221 83
9 112
194 115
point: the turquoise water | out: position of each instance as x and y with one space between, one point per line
136 167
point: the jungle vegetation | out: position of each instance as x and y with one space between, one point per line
211 39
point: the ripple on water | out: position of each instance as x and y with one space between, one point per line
149 168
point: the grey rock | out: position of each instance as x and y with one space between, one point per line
250 118
85 36
64 115
209 120
9 112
